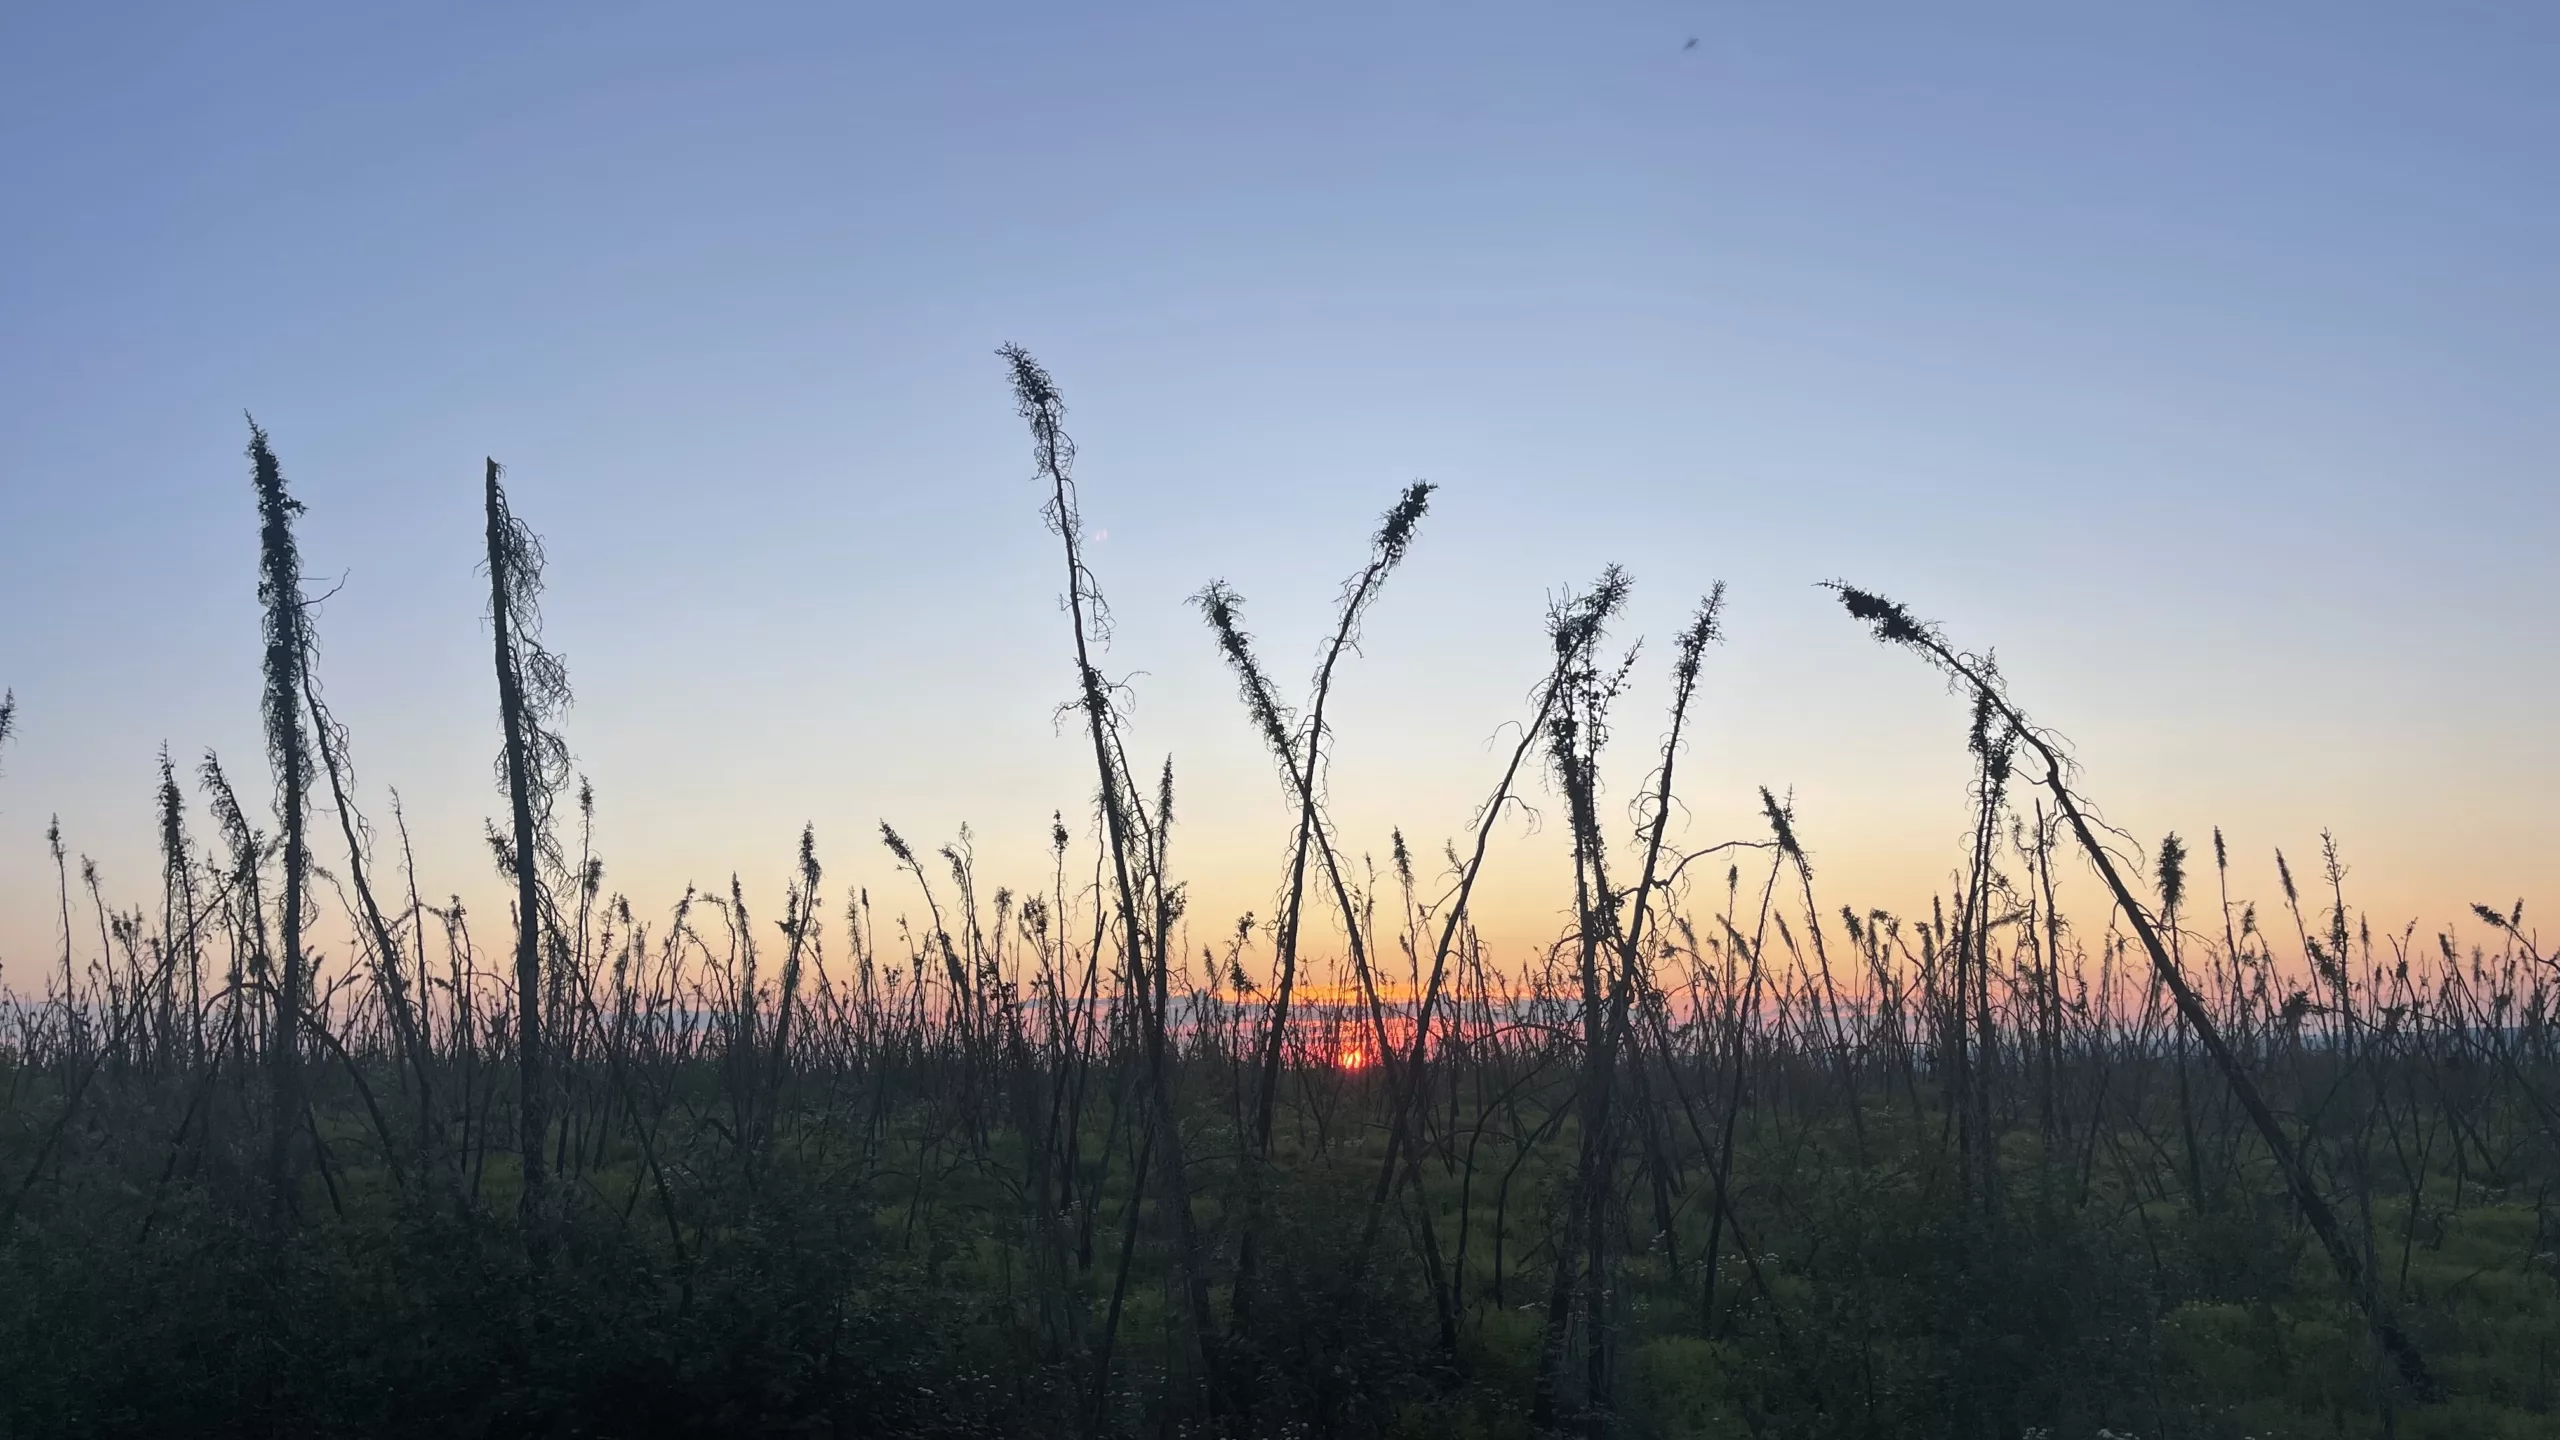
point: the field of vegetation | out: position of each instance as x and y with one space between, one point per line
1726 1158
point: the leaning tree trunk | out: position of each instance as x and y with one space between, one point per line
1895 625
1127 838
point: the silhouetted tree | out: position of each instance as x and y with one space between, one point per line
533 687
288 647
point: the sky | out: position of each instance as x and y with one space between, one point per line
2196 358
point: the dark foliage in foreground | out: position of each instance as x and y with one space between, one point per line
1725 1159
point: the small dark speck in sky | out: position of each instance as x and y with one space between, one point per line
1692 45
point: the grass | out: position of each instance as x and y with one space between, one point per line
1728 1158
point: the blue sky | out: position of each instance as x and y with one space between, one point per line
2198 357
